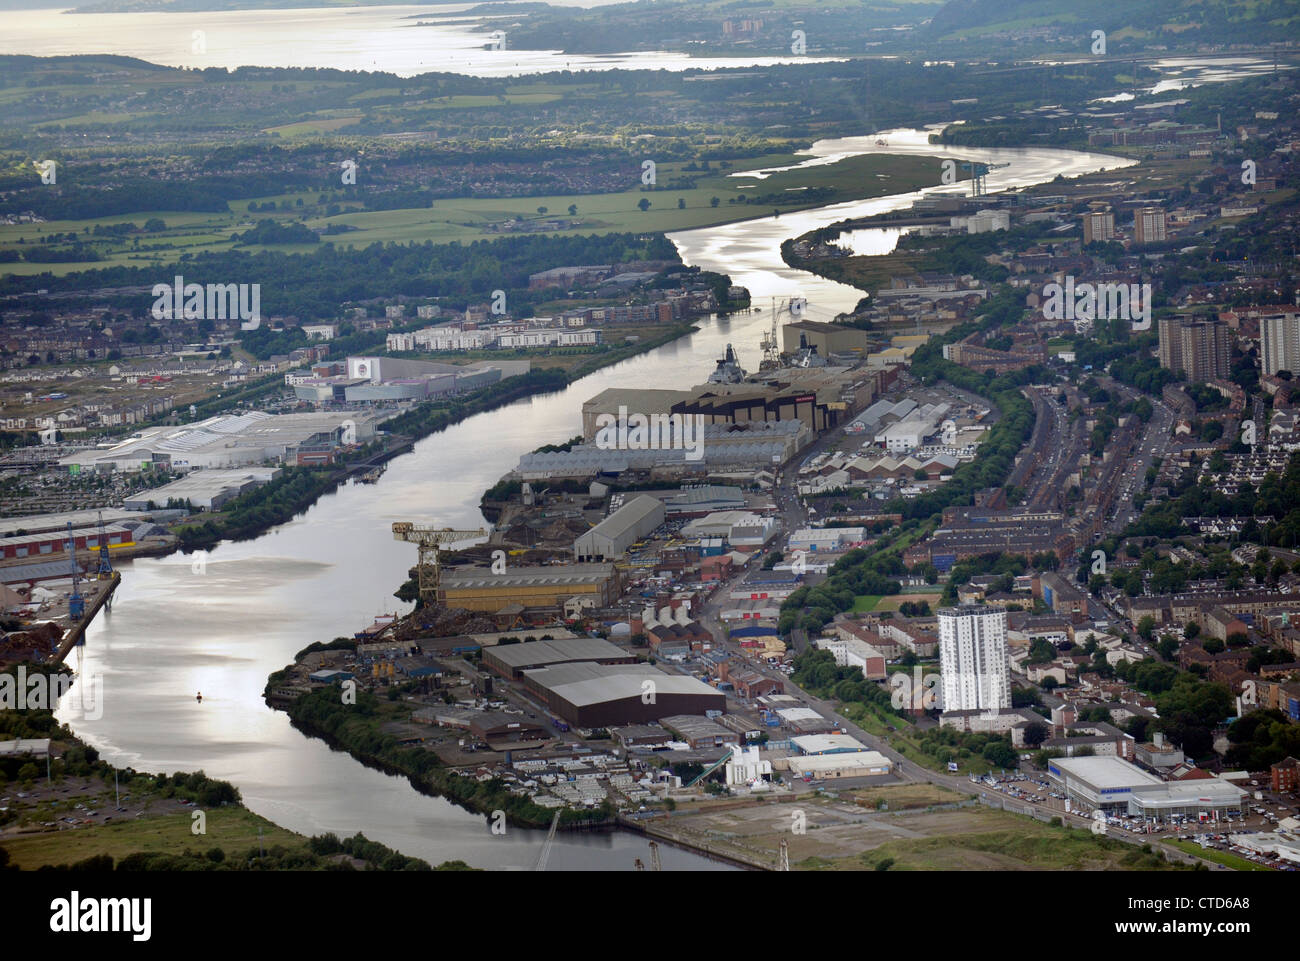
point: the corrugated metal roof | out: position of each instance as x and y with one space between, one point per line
542 652
627 517
52 571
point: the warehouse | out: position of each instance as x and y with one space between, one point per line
620 530
512 660
853 764
825 538
699 732
813 744
544 586
594 695
499 728
55 542
649 401
827 338
720 447
1100 783
701 499
762 585
227 440
737 528
804 720
204 490
542 681
644 736
58 522
750 610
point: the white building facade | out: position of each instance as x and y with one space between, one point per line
973 660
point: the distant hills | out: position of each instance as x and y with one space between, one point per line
970 28
1140 23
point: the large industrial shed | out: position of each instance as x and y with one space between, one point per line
541 586
852 764
621 529
511 660
591 695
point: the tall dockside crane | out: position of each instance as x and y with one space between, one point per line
978 171
771 344
76 603
429 541
105 572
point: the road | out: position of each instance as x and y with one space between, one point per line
794 515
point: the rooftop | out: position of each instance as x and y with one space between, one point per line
1105 772
544 652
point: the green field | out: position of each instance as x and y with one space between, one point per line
864 603
233 829
466 219
1225 858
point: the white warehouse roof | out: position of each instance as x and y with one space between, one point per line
820 763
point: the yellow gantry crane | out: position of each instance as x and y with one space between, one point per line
429 541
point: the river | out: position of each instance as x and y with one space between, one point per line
220 628
401 40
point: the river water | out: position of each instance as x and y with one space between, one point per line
402 40
221 627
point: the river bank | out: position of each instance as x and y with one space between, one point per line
68 809
251 515
361 729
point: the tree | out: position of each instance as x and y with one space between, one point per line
1041 651
1213 645
1035 733
681 203
573 210
713 201
1000 752
643 204
1049 683
1146 627
542 211
1191 631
